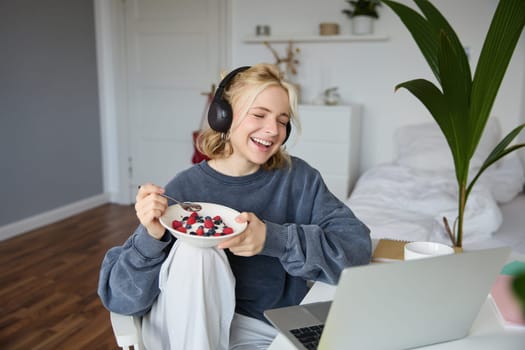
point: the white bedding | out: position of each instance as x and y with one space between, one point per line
408 198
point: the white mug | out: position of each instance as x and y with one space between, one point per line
421 250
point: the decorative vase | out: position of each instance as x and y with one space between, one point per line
328 29
362 25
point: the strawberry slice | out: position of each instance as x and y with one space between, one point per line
176 223
227 230
181 229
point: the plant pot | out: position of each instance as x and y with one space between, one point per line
362 25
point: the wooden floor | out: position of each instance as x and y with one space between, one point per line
48 282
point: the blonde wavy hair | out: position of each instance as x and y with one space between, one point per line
246 86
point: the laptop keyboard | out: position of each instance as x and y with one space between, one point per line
309 336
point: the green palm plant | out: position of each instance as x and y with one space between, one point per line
462 106
518 286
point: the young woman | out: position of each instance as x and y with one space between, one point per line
297 229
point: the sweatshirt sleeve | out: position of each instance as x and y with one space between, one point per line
333 238
128 280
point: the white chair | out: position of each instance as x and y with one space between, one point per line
127 331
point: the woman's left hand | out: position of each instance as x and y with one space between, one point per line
251 241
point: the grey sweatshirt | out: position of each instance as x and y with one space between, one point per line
310 235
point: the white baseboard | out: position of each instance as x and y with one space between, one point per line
49 217
119 198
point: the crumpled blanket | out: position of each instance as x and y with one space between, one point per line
405 203
196 303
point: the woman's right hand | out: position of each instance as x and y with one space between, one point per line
150 206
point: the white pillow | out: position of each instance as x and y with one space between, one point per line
505 179
424 147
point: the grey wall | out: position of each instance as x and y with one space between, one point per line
50 148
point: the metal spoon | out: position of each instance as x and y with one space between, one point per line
188 206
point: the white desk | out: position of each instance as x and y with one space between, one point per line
486 333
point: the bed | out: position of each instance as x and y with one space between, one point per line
408 198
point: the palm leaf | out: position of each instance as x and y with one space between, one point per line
500 42
500 151
439 26
424 35
518 287
440 46
433 99
455 81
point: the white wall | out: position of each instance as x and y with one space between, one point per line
366 72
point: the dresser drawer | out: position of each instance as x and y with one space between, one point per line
330 142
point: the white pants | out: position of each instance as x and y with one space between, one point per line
196 303
250 333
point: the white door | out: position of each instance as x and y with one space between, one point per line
174 54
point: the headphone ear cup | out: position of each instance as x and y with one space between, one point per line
288 131
220 115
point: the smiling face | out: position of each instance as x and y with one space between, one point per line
258 134
263 103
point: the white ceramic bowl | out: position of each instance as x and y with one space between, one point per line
420 250
228 215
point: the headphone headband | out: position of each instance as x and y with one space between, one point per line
226 80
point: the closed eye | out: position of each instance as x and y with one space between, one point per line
283 119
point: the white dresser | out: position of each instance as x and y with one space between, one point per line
330 142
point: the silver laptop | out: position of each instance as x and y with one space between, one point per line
396 305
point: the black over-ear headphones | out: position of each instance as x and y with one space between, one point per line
220 114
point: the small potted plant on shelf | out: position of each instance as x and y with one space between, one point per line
462 103
362 14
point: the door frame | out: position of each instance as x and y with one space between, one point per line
112 87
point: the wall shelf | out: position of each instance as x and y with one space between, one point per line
313 38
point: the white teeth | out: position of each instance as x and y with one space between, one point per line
262 142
